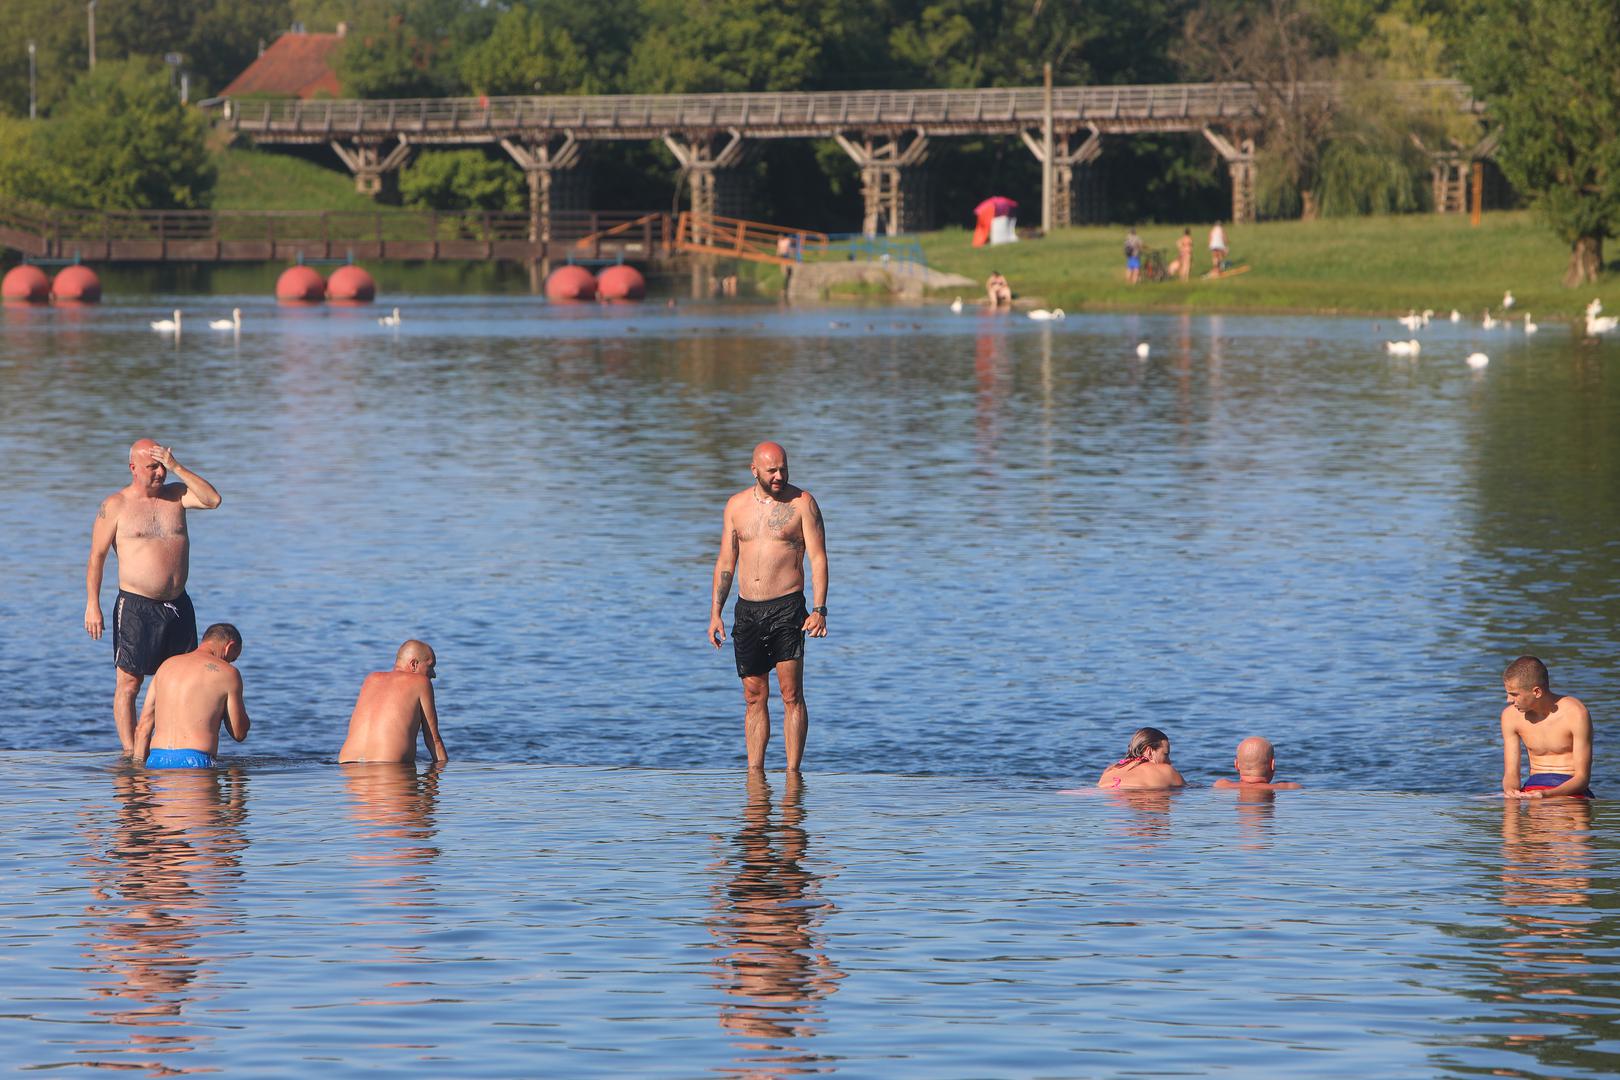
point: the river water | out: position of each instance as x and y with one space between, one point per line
1038 543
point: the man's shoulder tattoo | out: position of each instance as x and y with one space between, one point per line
211 666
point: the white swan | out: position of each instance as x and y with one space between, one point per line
1529 327
389 320
1601 324
1507 299
1478 360
1042 315
1411 320
1594 308
168 326
1143 349
232 323
1428 313
956 306
1456 316
1403 348
1487 322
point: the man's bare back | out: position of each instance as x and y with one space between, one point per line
393 707
191 695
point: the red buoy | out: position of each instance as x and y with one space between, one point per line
300 285
76 285
25 284
621 282
570 283
352 285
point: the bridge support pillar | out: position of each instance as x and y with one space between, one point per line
892 182
369 164
541 157
704 159
1066 156
1240 163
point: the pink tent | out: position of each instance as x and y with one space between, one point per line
986 212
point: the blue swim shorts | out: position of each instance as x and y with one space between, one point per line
1133 262
178 759
1544 781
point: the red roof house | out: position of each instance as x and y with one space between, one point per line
295 65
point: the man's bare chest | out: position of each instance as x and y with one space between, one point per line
770 522
152 519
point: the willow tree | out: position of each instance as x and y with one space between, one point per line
1548 76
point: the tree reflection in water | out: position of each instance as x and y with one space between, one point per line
767 916
162 877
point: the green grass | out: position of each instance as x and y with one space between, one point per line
1381 265
262 180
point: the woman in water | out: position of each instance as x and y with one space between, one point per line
1146 764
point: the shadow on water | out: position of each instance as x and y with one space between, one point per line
163 875
766 918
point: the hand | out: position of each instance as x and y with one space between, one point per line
92 619
815 625
717 630
1522 794
163 455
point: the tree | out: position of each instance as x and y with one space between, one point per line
461 180
391 62
525 55
726 45
1549 78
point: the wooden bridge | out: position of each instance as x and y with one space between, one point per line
887 133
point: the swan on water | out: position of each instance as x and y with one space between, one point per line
1478 360
1143 349
956 305
1507 299
232 323
1529 327
1456 316
1042 315
1487 322
1403 348
1411 320
1594 308
168 326
1600 324
389 320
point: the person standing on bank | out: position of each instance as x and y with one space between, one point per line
766 532
152 618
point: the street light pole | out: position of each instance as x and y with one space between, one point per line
33 96
91 7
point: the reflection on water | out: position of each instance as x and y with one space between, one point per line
1148 813
767 914
162 874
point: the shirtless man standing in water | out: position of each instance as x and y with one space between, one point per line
765 534
1554 728
393 707
146 524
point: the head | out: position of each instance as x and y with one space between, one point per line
1255 757
1149 744
770 467
225 639
1526 684
417 658
1186 232
149 474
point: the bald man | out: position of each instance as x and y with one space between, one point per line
1256 764
394 706
190 696
766 532
146 524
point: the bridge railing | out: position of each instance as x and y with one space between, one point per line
822 110
756 241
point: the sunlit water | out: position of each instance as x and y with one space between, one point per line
1038 543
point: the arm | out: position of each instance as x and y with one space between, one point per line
146 724
236 717
815 546
1510 754
199 493
430 724
724 567
102 534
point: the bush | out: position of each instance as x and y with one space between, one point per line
461 180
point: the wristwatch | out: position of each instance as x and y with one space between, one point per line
822 611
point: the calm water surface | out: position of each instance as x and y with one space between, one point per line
1038 543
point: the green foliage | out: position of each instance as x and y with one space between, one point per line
461 180
393 61
526 55
726 45
121 141
1550 77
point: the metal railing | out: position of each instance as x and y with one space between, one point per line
752 240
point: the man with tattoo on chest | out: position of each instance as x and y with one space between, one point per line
765 535
146 524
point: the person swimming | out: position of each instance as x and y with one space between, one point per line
1145 766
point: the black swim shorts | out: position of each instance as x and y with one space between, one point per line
147 632
766 632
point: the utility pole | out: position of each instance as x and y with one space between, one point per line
33 96
91 7
1046 157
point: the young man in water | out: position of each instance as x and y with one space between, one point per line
190 695
145 523
766 532
393 707
1554 728
1256 763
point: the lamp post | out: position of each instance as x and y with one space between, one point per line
33 95
91 8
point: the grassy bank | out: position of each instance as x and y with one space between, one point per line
1377 265
263 180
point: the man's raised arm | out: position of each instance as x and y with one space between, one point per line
200 494
724 567
102 533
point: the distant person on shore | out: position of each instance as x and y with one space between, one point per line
145 523
1256 764
1217 249
189 697
766 533
1553 728
393 707
1146 764
1133 257
1184 248
999 291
